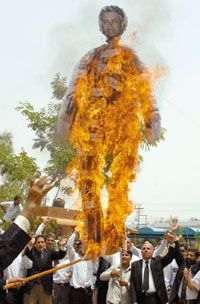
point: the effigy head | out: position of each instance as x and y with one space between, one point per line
112 21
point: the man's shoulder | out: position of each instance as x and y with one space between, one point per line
136 263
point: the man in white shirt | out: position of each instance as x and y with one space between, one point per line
61 283
13 209
17 269
119 281
192 283
83 279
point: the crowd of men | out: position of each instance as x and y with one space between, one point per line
169 273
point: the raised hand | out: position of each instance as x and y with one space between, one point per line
38 189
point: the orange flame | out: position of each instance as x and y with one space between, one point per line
113 95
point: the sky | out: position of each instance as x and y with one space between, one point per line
41 38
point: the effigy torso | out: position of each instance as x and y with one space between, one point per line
107 95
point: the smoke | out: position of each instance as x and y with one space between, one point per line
71 40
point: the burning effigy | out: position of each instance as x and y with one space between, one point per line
107 104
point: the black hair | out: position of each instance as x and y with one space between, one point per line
39 236
184 246
130 253
196 251
17 197
50 235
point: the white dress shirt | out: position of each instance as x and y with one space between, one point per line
83 272
61 276
40 229
171 272
114 289
190 294
12 210
151 281
196 280
18 268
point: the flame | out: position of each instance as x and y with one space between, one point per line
112 97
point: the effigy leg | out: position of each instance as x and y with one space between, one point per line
123 170
90 185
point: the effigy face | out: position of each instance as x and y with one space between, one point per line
112 21
111 24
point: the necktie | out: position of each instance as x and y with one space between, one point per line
183 290
145 285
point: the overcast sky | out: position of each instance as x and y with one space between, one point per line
41 38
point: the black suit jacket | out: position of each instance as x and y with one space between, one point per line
157 264
12 242
41 263
102 286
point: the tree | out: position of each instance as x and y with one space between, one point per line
16 169
44 124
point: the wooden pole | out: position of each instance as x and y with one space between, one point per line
41 274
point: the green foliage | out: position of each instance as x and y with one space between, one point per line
16 169
58 85
44 124
51 227
145 145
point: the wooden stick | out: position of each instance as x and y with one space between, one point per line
41 274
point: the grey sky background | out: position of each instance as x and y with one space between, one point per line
41 38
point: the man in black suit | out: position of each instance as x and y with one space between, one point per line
41 289
147 279
179 292
16 236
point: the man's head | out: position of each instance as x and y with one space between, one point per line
79 247
50 240
112 21
126 257
183 249
40 244
192 256
158 241
76 244
147 250
59 203
17 199
128 243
